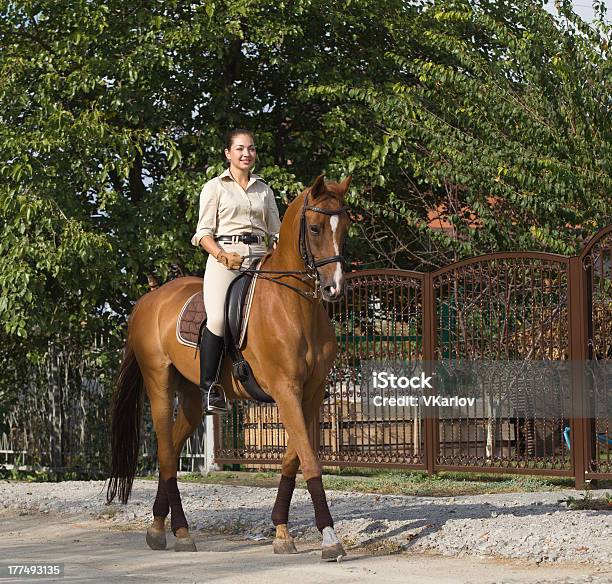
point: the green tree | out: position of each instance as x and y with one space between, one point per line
499 121
112 116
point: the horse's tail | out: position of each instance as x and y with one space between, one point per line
126 416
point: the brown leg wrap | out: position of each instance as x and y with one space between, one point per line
280 511
323 517
161 507
177 517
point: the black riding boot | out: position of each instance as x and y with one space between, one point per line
211 352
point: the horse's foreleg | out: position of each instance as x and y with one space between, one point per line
283 542
293 417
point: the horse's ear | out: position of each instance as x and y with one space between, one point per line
344 185
318 187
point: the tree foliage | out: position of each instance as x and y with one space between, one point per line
493 114
114 114
498 124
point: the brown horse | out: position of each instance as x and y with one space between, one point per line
290 346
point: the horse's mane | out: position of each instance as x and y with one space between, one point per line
333 191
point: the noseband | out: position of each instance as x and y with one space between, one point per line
309 260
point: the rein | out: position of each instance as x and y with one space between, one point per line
311 263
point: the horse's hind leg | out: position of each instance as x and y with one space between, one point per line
188 419
160 385
156 533
189 414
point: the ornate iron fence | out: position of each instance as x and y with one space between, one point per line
595 263
529 307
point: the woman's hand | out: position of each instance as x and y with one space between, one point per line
232 261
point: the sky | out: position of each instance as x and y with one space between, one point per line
584 9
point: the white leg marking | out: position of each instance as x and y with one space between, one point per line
333 221
329 537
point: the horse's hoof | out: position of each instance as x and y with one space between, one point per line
156 540
284 546
185 544
333 553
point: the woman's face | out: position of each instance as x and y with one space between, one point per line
242 153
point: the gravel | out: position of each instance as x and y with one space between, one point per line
528 526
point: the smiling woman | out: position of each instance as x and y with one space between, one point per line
238 214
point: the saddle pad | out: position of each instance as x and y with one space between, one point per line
192 314
189 320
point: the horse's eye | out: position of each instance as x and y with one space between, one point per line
314 229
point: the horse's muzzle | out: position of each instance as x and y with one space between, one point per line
331 293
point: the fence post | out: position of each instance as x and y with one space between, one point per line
590 435
429 344
315 432
211 437
578 354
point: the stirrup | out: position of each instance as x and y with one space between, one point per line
215 409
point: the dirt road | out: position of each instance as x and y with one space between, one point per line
93 552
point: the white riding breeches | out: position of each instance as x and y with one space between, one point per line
217 279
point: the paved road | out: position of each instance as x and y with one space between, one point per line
92 552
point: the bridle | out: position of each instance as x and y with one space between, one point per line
310 262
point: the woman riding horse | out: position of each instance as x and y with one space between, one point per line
291 347
237 210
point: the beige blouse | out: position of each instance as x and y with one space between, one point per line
228 209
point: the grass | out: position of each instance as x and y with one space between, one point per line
587 501
392 482
51 476
385 482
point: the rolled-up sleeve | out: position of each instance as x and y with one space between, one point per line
272 219
209 205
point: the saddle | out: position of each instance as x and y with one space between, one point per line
192 320
236 307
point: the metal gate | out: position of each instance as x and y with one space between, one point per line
505 307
